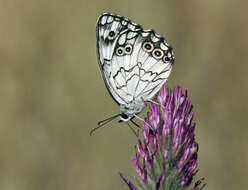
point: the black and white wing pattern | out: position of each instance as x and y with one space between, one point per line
134 62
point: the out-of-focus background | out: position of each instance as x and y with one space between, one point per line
52 93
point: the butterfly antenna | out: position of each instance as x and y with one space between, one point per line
103 123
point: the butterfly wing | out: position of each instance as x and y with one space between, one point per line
108 31
134 62
154 59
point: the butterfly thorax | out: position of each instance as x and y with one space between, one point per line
128 110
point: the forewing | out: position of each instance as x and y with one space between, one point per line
109 29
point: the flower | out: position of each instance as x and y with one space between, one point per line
166 155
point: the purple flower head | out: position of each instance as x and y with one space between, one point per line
166 156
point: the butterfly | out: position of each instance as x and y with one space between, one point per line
134 62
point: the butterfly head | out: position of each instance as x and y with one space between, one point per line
124 117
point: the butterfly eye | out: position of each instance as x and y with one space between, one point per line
148 46
128 49
157 53
120 51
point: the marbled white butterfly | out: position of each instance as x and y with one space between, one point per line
134 62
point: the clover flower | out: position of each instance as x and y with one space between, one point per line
166 156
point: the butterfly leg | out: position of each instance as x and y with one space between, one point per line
135 133
133 122
152 101
144 122
150 130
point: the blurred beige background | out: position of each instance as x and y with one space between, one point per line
52 93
